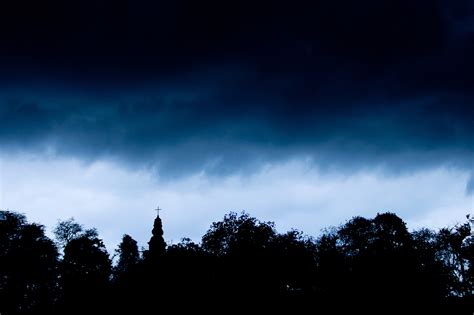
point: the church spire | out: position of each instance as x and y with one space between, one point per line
157 245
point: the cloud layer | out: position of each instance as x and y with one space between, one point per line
188 86
223 126
292 194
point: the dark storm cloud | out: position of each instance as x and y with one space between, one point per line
225 127
226 85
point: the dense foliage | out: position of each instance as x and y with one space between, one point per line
240 262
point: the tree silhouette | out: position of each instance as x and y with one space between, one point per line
456 250
249 248
365 265
67 230
238 235
377 258
433 274
129 279
294 255
332 268
85 273
28 266
129 255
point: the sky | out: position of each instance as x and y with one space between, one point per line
305 113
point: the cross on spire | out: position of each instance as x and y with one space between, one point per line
158 209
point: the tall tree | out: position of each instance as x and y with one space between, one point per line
238 235
28 266
380 259
67 230
433 275
85 273
244 245
129 255
456 250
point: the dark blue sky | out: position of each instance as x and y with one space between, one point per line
226 88
182 82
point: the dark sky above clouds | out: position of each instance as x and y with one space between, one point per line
224 86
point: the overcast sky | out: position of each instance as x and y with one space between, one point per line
305 113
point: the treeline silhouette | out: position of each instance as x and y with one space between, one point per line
241 264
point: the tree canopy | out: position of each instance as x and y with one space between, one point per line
363 264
